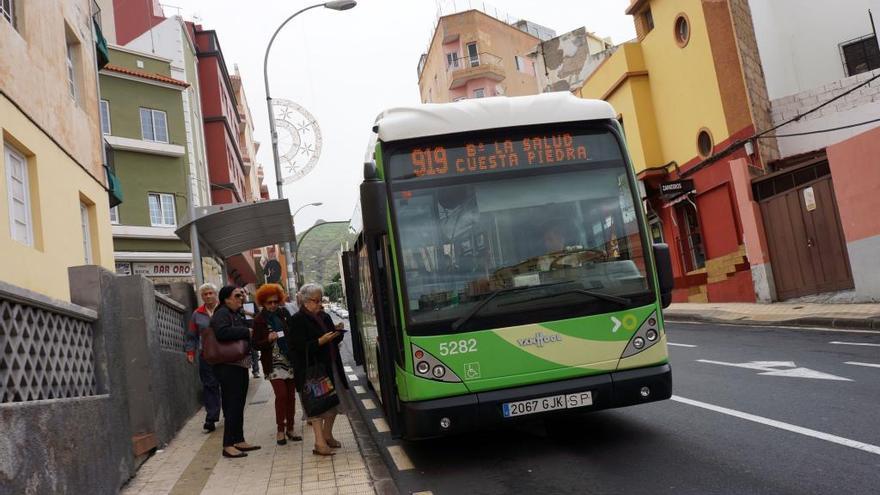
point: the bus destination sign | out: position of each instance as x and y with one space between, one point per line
496 155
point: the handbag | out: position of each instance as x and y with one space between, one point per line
217 352
319 393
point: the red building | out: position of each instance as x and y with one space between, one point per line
226 166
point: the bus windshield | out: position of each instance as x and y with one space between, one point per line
536 237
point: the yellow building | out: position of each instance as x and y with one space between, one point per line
691 95
54 211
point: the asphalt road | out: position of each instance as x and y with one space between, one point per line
793 418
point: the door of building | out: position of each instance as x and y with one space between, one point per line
804 235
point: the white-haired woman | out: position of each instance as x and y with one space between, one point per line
201 319
312 342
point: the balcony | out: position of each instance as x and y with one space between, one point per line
462 70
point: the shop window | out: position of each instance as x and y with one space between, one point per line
860 55
682 30
704 143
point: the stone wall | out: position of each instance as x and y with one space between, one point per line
861 105
86 429
756 86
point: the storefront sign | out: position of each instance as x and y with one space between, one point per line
676 188
123 268
160 269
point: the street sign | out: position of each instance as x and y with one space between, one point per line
162 269
780 368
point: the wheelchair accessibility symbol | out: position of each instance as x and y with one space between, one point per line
471 371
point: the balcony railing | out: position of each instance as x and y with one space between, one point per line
484 64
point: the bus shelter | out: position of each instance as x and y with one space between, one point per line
225 231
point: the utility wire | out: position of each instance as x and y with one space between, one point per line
820 130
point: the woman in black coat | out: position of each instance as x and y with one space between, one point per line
312 342
228 324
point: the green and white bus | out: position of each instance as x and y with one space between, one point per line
502 268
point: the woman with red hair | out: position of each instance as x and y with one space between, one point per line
269 339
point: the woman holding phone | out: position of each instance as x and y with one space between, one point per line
311 343
270 325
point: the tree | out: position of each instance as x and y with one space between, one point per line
334 289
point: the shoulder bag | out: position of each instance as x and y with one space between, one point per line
319 393
217 352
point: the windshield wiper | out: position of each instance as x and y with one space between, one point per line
623 301
482 304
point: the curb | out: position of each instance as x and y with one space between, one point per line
383 482
870 323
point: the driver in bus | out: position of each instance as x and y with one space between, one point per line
560 255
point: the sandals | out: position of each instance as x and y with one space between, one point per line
327 453
247 448
234 456
334 444
293 438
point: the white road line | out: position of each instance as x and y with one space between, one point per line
401 460
680 345
783 326
368 404
846 442
347 369
855 343
359 389
870 365
381 425
353 378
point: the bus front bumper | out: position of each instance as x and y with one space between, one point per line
426 419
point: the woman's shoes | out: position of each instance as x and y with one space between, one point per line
334 444
292 437
318 451
234 456
247 447
280 438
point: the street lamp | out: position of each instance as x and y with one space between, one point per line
295 249
333 5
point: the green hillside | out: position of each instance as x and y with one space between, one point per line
319 251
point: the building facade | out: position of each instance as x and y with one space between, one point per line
474 55
143 124
822 69
691 96
54 185
564 62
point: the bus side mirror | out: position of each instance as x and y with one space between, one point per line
664 272
373 203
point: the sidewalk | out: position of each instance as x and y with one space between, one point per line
191 463
844 316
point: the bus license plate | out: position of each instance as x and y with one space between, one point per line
543 404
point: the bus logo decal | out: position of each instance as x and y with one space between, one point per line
539 340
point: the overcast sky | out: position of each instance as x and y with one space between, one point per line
346 67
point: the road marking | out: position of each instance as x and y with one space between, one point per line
769 368
616 324
680 345
381 425
870 365
401 460
353 378
855 343
347 369
359 389
368 403
846 442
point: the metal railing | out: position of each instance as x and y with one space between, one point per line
471 61
170 324
46 348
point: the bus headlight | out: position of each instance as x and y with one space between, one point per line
438 371
645 336
429 367
423 367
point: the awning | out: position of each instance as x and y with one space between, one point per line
230 229
101 51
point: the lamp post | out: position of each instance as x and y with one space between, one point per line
295 248
333 5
